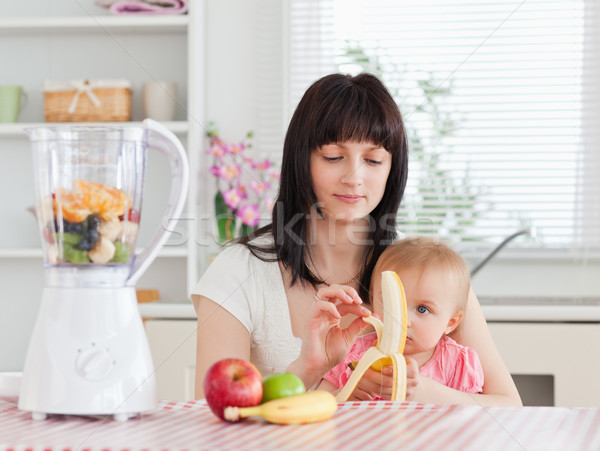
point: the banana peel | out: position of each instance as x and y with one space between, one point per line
391 339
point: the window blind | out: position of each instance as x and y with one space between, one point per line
498 99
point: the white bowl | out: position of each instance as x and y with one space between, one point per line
10 383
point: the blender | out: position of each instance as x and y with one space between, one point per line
88 353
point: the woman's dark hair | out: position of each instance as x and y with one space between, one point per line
336 108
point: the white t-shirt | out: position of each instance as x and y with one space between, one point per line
253 291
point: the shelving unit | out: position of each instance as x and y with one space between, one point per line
17 129
99 24
72 41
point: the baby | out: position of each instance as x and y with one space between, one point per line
436 283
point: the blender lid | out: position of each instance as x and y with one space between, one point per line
64 132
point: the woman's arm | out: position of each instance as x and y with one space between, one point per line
220 335
498 389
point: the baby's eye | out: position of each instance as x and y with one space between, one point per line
422 309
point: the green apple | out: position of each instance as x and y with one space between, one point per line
280 385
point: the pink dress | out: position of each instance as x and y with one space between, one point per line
453 365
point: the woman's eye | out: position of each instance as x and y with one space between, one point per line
332 158
373 162
422 309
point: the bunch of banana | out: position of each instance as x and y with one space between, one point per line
310 407
391 337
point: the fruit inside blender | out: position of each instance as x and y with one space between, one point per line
92 223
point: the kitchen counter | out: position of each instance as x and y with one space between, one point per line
356 425
529 309
167 310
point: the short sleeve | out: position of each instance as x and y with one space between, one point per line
229 281
468 374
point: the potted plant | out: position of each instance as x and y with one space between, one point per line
245 186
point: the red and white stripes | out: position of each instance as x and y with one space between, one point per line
367 425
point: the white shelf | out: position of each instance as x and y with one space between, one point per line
21 253
95 23
7 253
17 129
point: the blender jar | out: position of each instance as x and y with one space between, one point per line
89 183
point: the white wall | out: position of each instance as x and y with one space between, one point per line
231 66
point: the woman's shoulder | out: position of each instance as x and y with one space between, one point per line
235 252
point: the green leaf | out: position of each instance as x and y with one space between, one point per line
246 230
225 219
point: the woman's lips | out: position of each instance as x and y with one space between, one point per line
349 198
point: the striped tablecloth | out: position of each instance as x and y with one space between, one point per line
365 426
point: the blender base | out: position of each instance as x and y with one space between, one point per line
88 355
117 416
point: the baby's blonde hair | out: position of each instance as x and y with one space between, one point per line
422 252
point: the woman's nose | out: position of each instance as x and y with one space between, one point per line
353 173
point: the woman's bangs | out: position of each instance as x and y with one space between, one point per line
360 126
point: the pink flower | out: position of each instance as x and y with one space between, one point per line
259 187
274 174
234 149
232 198
249 215
263 165
230 172
242 191
216 150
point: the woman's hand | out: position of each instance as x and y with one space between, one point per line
325 343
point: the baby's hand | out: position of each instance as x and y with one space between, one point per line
412 378
374 385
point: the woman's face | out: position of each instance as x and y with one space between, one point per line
349 178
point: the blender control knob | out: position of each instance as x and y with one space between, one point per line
94 364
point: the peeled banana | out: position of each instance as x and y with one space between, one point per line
318 405
391 338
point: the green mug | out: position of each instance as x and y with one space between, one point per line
11 100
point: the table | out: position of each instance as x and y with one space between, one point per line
356 425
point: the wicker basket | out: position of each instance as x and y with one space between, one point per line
87 101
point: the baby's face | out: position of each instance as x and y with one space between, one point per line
432 300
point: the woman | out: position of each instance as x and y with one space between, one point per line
287 299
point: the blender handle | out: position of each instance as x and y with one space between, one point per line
162 139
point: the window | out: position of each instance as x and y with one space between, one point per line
498 99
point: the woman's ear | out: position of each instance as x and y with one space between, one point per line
453 322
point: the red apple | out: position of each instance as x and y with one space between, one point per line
232 382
